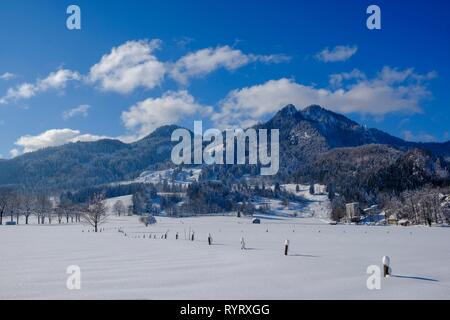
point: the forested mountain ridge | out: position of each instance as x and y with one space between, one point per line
309 138
82 164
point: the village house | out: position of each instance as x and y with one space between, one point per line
320 189
352 212
392 219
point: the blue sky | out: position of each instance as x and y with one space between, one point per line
136 65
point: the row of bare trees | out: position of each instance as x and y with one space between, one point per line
20 204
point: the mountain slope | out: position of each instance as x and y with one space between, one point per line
307 133
305 136
83 164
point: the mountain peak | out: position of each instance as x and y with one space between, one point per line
288 110
163 131
288 115
320 114
314 108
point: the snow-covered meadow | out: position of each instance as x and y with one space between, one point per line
324 262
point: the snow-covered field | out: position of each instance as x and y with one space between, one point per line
324 262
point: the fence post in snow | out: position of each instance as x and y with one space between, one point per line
209 239
386 268
286 247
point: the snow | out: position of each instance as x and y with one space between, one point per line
318 204
185 177
276 207
109 203
324 262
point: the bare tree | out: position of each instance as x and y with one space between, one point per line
147 219
43 206
59 214
27 205
18 210
411 205
119 208
425 205
337 209
76 211
50 215
95 213
13 206
4 199
65 209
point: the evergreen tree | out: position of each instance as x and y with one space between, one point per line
311 188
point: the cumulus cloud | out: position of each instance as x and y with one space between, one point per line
183 42
205 61
51 138
145 116
337 79
270 58
338 53
81 111
7 76
133 65
129 66
55 80
383 94
14 153
394 75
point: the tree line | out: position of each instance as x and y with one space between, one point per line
18 206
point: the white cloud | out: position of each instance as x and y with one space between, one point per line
145 116
51 138
271 58
22 91
134 65
7 76
129 66
376 97
338 53
14 153
394 75
55 80
183 42
81 110
58 79
337 79
205 61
